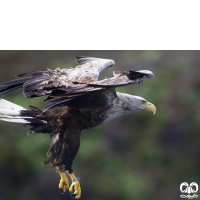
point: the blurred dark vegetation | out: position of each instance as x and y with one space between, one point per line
138 156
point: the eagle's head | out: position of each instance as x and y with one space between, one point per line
136 103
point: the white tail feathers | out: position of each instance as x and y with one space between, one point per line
10 112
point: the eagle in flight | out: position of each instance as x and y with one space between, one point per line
78 101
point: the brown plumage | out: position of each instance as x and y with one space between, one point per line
78 101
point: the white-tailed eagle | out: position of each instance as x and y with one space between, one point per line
78 101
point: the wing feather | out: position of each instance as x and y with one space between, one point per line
41 83
84 59
121 79
91 64
84 91
124 78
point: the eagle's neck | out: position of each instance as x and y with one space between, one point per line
120 106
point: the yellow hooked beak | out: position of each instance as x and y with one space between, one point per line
149 106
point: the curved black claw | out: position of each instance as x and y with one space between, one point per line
73 195
63 191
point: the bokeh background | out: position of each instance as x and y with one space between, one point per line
138 156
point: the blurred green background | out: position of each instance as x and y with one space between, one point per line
138 156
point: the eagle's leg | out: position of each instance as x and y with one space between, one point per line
64 183
75 188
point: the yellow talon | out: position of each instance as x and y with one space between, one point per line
64 183
75 188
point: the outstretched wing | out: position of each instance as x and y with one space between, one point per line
85 90
119 79
45 82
